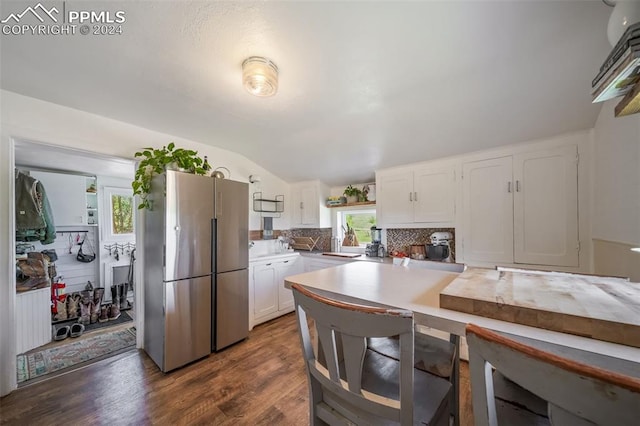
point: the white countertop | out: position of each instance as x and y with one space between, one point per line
361 258
272 256
418 290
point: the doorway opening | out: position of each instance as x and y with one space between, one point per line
82 310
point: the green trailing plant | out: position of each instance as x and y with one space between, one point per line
350 191
156 161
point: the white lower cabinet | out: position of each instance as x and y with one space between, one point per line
33 318
268 297
311 264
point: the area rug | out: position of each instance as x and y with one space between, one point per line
31 366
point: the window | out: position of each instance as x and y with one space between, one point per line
119 217
360 221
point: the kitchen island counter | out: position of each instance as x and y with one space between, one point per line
419 290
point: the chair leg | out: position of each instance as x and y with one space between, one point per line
455 381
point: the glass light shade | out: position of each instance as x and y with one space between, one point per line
260 76
625 13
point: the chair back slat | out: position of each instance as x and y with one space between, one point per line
342 330
577 392
354 349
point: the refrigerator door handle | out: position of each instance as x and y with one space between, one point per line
214 237
218 203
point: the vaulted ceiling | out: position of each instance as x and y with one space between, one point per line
363 85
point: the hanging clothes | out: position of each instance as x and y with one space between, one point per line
34 218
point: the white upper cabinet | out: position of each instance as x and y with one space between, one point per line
308 205
488 210
423 194
394 198
522 208
67 197
546 207
434 194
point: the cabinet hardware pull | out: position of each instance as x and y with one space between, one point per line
301 205
517 186
415 196
410 196
286 261
509 187
268 264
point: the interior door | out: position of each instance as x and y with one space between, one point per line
488 210
546 207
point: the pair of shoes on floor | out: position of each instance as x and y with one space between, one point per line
75 330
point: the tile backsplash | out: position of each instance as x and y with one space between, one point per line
402 239
325 234
324 244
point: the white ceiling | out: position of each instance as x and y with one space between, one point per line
363 85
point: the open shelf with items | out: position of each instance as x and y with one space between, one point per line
268 205
359 203
91 194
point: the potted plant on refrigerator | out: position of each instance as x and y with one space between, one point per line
155 161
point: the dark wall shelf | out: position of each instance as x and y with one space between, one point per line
268 205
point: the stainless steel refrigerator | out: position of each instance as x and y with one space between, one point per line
191 267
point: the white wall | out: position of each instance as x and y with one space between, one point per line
616 215
616 194
30 119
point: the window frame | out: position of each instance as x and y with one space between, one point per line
107 193
340 221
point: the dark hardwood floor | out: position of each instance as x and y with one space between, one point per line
259 381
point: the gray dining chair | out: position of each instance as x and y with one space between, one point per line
528 381
356 385
433 354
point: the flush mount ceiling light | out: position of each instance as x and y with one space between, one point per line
260 76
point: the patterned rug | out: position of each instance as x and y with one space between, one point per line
38 364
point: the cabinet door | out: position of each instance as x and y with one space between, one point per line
296 207
488 210
434 194
265 292
394 198
66 195
546 207
309 207
283 270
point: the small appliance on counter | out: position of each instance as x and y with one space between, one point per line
418 252
375 248
440 249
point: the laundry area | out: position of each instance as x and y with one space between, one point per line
75 259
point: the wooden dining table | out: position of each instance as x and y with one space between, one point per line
418 290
